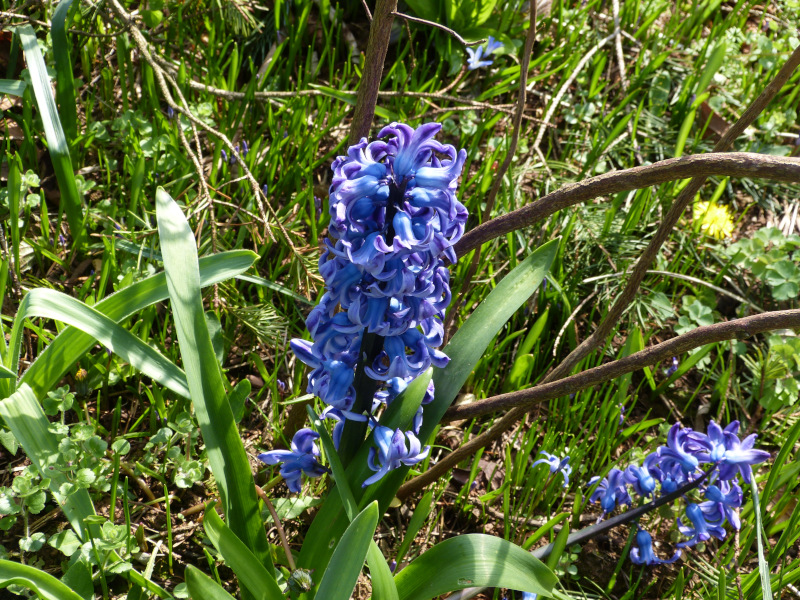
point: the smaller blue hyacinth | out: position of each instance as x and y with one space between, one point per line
556 465
479 57
642 553
302 458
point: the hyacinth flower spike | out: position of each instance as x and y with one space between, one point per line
556 465
642 553
302 458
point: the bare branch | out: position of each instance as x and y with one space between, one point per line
702 336
379 33
733 164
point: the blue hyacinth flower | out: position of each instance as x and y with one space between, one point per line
556 465
302 458
642 553
392 451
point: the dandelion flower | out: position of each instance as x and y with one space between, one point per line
714 219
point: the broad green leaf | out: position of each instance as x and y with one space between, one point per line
473 560
226 454
558 547
65 85
71 344
341 576
54 134
43 584
474 336
250 572
12 87
50 304
202 587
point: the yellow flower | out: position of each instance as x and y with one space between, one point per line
714 219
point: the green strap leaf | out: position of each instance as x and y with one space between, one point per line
226 454
251 573
50 304
43 584
202 587
383 585
65 84
71 344
341 576
56 141
763 565
473 560
474 336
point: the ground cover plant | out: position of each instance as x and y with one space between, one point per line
502 295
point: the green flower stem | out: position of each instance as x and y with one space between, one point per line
355 431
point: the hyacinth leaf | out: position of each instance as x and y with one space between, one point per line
12 87
559 545
341 576
202 587
57 144
473 560
383 585
42 584
339 474
763 565
250 572
71 344
50 304
65 84
474 336
226 454
24 416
